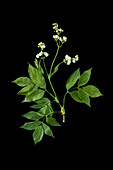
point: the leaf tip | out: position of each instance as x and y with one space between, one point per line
23 101
12 81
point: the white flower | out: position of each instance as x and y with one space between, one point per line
76 58
56 37
60 38
41 45
60 30
46 54
73 60
67 60
64 38
39 55
67 57
55 26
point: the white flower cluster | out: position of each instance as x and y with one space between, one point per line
42 54
68 59
58 31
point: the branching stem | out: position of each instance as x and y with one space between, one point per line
50 93
54 59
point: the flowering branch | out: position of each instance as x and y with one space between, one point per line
35 86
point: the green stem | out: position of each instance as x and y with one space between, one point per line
53 112
54 59
64 99
74 88
49 93
56 98
45 67
59 64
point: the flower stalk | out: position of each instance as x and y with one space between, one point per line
54 60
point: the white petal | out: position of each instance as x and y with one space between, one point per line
43 46
60 39
46 54
69 58
40 54
76 57
64 38
66 57
68 62
37 56
73 60
55 36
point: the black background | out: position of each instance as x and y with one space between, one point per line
83 136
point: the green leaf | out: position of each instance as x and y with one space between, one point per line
50 107
32 115
36 63
45 110
47 130
36 77
22 81
26 89
92 91
43 101
84 78
30 91
73 79
38 66
84 96
38 134
35 106
31 125
75 96
52 121
35 95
